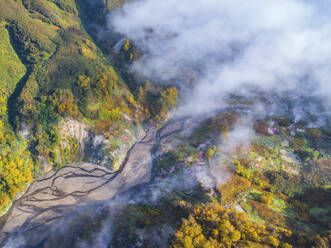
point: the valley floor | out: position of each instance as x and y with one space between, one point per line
51 203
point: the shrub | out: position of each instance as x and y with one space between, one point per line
313 133
266 198
235 236
244 172
270 240
232 189
210 152
166 102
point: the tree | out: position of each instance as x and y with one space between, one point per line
212 225
210 152
271 240
235 236
167 101
126 45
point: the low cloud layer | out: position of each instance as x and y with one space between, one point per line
280 45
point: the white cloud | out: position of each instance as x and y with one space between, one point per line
276 44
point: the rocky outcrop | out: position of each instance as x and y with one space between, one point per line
98 149
111 154
74 129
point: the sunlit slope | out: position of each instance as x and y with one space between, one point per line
11 68
15 163
50 69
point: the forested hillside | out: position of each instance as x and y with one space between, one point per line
51 70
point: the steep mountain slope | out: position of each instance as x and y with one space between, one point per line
55 81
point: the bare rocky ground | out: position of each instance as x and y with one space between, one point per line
55 200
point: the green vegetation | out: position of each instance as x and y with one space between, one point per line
15 163
11 68
70 151
286 199
210 152
215 226
50 68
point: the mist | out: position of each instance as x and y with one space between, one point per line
278 45
239 137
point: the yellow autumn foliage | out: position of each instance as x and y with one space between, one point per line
215 226
88 53
126 45
15 165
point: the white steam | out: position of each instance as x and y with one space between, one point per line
230 44
240 137
15 243
186 182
